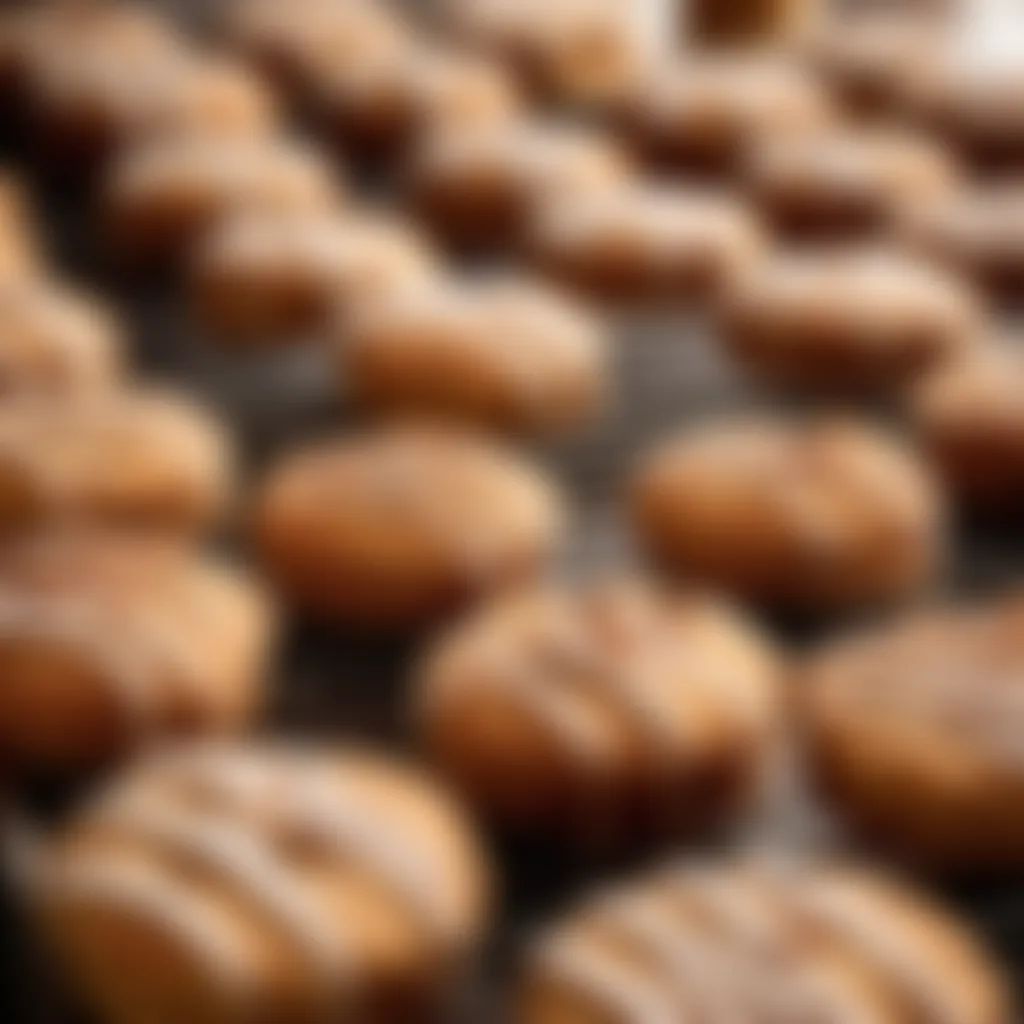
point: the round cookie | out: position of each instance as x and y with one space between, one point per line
578 52
393 528
112 643
379 109
977 231
847 321
272 276
257 883
914 733
607 714
758 941
969 415
703 114
816 516
54 341
161 198
503 353
847 184
646 244
128 458
480 186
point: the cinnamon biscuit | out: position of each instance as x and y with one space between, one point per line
646 244
273 276
132 458
257 883
163 197
808 516
609 714
110 643
847 321
751 941
504 353
480 186
393 528
915 731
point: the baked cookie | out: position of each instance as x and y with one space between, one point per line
703 113
915 731
257 883
392 528
646 244
847 183
969 415
273 276
753 941
480 186
503 353
746 22
131 458
110 643
54 341
20 250
608 714
977 231
576 52
161 198
847 321
810 516
378 109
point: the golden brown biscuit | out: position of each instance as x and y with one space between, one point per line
54 341
751 941
579 52
504 353
847 183
392 528
977 231
969 414
258 883
378 108
613 713
703 114
646 244
850 322
272 276
110 643
817 516
915 733
135 458
162 198
480 186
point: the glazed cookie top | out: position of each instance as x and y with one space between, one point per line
282 874
773 940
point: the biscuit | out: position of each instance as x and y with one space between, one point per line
760 940
703 114
976 231
582 53
393 528
969 416
646 244
20 250
914 733
272 276
848 321
480 186
162 198
606 714
256 883
112 643
54 341
503 353
378 109
817 516
847 184
138 458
